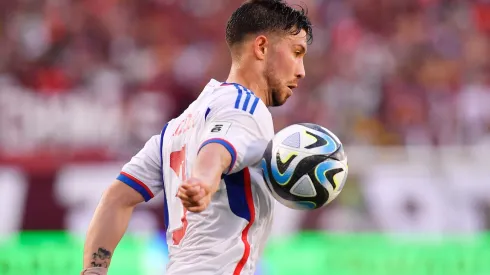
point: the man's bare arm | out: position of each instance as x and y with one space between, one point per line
108 225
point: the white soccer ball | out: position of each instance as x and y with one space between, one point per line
305 166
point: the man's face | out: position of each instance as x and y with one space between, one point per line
285 66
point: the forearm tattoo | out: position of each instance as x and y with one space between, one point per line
101 258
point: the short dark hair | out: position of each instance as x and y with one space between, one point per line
256 16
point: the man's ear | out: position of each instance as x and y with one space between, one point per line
261 44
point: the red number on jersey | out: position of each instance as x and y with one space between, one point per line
177 163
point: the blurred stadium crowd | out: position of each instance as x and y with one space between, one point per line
84 83
379 72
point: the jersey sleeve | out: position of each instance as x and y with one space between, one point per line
144 171
243 129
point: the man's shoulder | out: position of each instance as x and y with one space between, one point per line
239 102
234 96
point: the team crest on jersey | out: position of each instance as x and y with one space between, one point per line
220 127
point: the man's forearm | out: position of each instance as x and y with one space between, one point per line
212 161
106 229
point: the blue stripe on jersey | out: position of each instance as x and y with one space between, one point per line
241 90
239 98
207 113
235 188
135 185
165 205
256 101
247 99
231 149
236 84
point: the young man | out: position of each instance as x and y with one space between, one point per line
218 211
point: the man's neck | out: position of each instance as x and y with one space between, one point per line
251 80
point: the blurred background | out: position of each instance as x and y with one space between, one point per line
405 84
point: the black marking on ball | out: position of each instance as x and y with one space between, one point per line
339 154
330 174
314 127
282 167
322 193
318 143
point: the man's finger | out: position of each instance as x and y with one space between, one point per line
188 192
187 204
200 206
191 201
199 196
191 190
183 196
193 205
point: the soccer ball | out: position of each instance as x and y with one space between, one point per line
304 166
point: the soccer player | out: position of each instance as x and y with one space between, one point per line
218 211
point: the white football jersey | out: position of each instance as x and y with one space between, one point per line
228 236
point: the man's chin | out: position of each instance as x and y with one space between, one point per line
280 102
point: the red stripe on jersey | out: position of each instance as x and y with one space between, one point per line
178 234
139 182
251 208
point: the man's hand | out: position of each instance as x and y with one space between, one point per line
94 271
195 195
